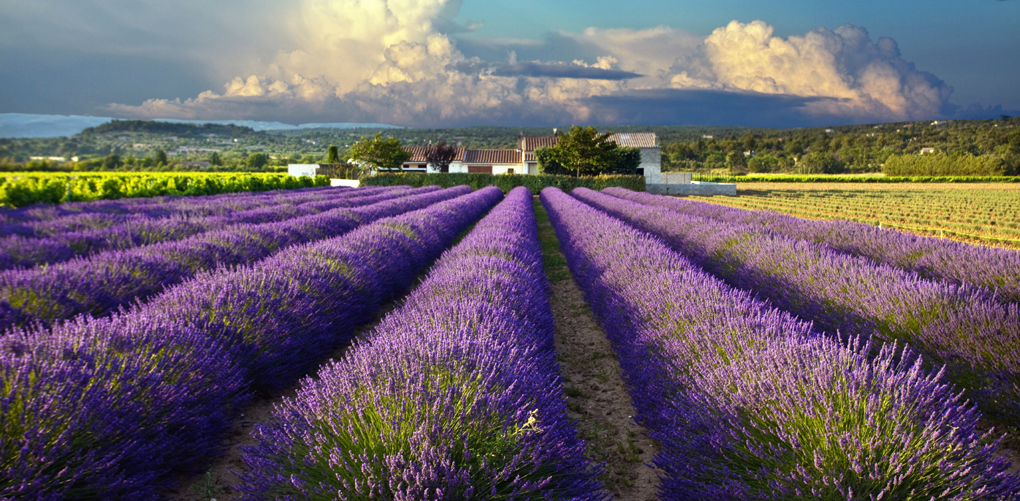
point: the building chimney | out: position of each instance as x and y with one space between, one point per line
555 132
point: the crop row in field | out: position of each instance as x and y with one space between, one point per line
980 213
108 280
962 326
22 189
749 402
153 207
456 394
994 269
56 240
117 405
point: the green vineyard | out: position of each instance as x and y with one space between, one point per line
21 189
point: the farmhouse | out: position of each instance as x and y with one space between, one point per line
522 159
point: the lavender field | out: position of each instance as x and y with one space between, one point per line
406 343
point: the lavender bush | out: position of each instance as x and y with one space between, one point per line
960 263
113 408
106 214
456 395
162 206
748 402
125 232
961 326
103 409
106 281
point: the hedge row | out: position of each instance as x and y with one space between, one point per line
941 164
26 189
535 183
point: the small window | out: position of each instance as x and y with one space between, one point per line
509 171
640 172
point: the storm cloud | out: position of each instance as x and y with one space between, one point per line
409 62
706 107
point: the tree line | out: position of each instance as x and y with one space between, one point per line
991 147
973 147
584 151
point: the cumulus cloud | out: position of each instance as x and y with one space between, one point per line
865 78
395 61
602 70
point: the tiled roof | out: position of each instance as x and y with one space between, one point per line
529 156
635 139
627 140
531 143
419 153
492 157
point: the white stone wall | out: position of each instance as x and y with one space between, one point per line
298 170
651 162
677 177
695 188
498 169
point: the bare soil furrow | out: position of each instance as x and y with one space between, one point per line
597 396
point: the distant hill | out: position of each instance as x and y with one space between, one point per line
173 128
21 125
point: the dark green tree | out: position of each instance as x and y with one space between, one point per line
161 158
332 155
337 167
257 161
379 153
737 162
627 161
763 163
548 163
112 162
586 151
819 163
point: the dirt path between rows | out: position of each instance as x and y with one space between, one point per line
596 394
219 482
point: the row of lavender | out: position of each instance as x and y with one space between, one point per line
92 233
187 207
749 402
456 395
162 206
961 326
106 281
992 268
116 407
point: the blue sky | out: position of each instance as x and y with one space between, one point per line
973 45
499 62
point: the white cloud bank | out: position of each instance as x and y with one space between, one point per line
394 61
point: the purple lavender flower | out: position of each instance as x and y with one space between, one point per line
114 408
61 240
106 281
454 396
993 268
961 326
749 402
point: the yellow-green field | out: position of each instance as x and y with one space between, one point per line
987 213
